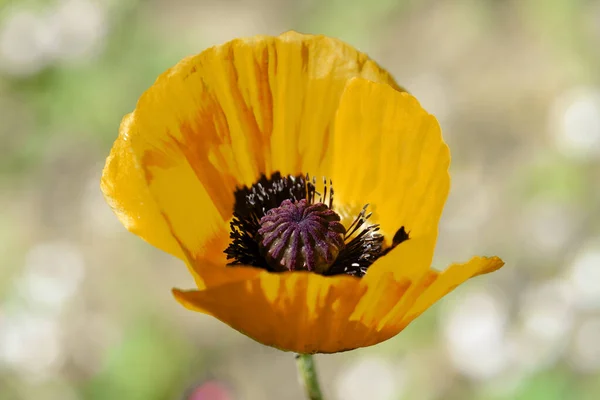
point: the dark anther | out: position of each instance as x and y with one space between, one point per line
400 236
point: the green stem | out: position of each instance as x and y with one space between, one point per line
307 375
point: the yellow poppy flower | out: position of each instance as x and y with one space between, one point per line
211 167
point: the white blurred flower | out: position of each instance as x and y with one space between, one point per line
547 309
31 40
585 352
24 41
547 319
80 27
546 226
52 274
474 330
575 122
371 378
30 344
584 276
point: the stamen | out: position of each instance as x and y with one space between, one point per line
361 249
284 223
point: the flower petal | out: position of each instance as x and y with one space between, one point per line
448 280
408 266
301 312
220 119
125 189
388 151
431 287
310 313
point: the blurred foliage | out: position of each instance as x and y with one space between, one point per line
145 365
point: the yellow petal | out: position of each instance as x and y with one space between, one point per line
310 313
430 288
301 312
124 186
448 280
406 271
221 274
306 312
220 119
388 152
393 284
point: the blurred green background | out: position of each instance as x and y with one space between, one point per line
85 307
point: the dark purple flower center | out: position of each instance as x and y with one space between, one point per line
301 236
283 223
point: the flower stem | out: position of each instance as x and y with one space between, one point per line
307 375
